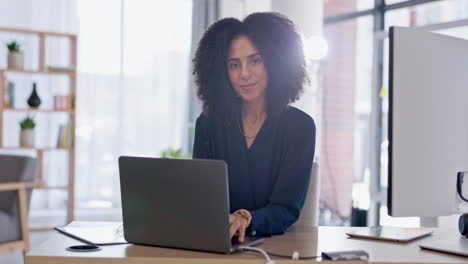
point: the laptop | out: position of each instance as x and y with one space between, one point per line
390 233
177 203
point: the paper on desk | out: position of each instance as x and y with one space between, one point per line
99 233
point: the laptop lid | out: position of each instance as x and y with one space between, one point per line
175 203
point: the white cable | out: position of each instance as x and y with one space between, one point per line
295 255
269 260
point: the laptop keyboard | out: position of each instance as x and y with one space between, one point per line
235 240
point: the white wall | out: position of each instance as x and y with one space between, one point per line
306 14
241 8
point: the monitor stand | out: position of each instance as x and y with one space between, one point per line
428 222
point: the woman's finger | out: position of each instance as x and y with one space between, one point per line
233 229
241 233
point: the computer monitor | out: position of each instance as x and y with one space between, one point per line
428 122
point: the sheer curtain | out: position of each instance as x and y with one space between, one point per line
133 65
133 89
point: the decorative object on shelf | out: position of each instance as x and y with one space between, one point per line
27 132
15 56
34 100
11 94
63 102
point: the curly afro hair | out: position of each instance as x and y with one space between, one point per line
275 36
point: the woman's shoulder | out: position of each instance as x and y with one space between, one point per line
202 123
203 118
208 122
295 118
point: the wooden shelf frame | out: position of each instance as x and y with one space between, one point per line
11 109
46 72
36 149
35 32
43 69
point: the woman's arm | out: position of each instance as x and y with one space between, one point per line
201 144
291 186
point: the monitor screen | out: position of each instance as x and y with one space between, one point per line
428 121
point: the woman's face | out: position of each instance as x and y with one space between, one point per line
246 69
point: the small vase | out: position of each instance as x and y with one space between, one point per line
34 100
15 60
27 138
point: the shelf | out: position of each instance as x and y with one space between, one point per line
10 109
37 149
42 185
45 187
34 32
40 229
37 72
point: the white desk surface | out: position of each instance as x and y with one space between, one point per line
308 241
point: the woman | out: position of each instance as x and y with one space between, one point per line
247 74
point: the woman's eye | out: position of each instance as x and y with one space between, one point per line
256 60
233 66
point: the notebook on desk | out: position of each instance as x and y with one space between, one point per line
98 233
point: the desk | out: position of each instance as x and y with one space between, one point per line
308 241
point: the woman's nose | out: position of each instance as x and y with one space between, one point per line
245 72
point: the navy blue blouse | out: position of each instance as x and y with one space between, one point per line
270 179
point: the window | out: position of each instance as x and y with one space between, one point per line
447 16
337 7
427 14
347 81
133 90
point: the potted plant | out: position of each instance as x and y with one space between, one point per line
175 154
27 132
15 56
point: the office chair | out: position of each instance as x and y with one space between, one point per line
310 211
17 174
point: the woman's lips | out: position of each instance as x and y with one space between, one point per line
247 87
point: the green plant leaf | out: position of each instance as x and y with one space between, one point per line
175 154
13 46
27 123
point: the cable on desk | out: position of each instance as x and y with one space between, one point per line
269 260
294 256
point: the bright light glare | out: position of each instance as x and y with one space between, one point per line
316 48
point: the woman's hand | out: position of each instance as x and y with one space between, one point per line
239 221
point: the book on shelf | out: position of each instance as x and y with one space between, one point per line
10 95
65 136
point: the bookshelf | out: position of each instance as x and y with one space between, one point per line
5 109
